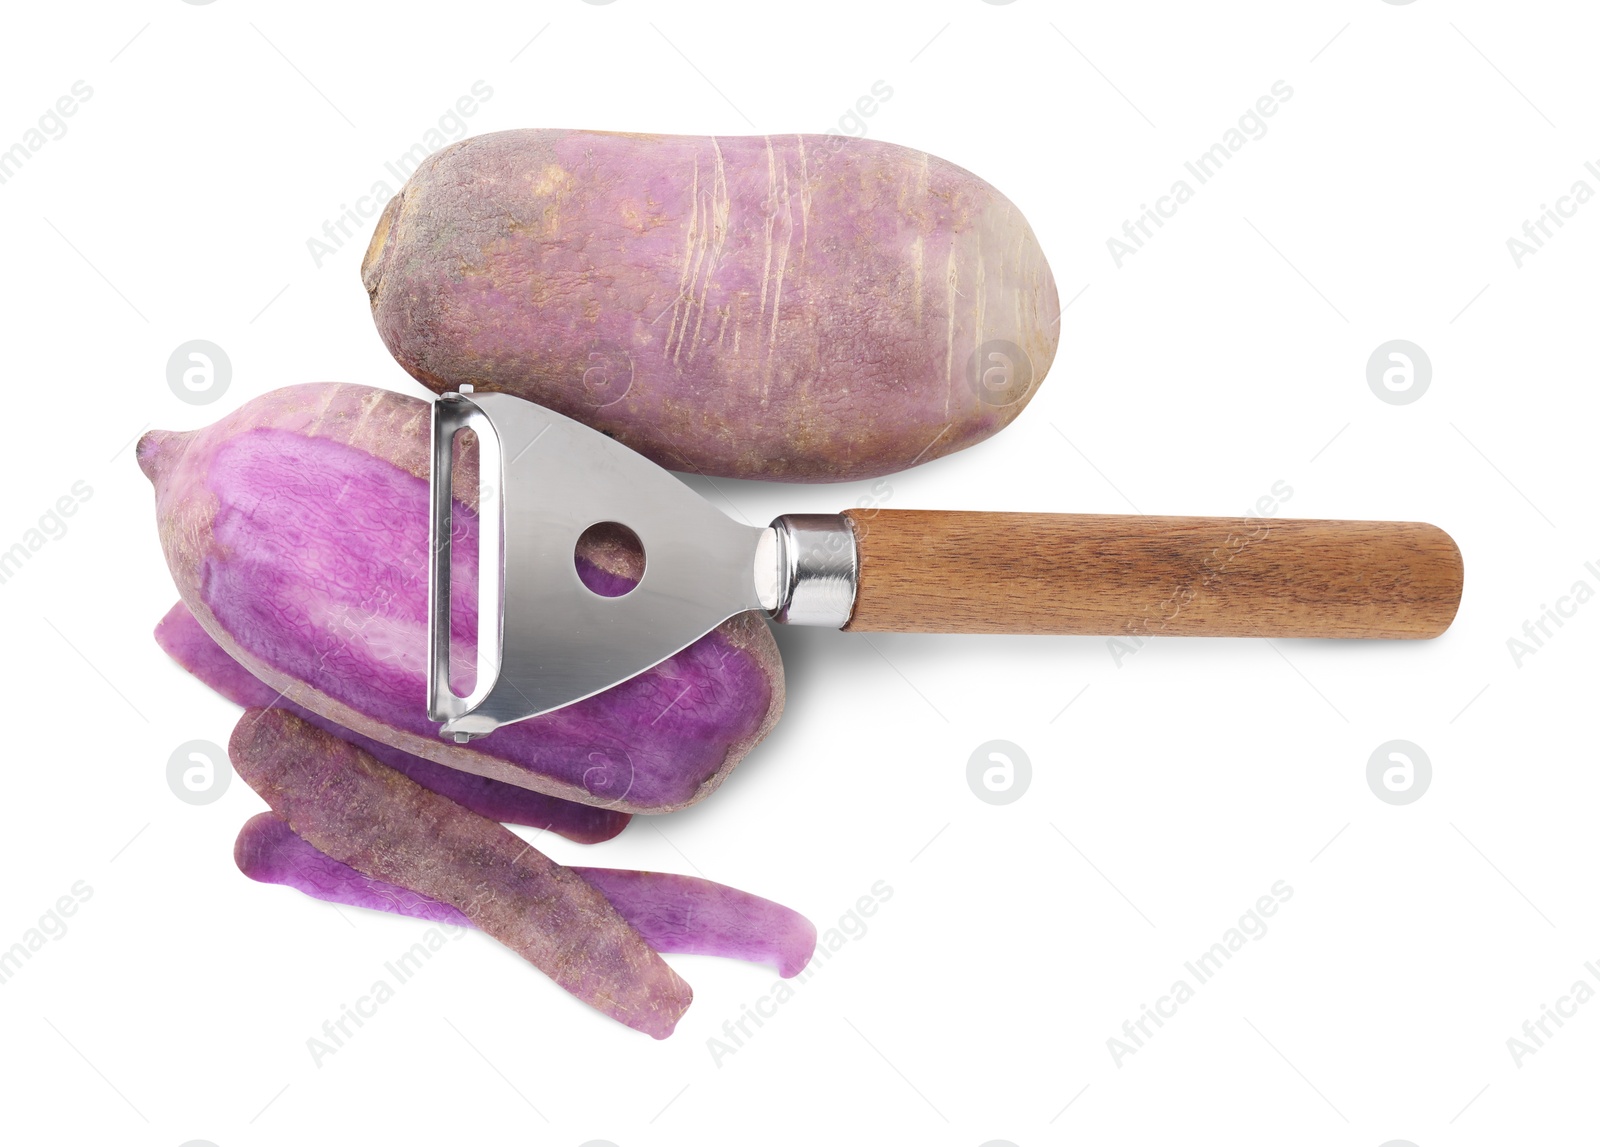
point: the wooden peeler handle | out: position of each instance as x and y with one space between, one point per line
933 571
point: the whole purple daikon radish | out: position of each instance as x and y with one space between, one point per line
674 914
801 307
191 647
296 529
355 810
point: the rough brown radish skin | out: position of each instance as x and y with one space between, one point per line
381 823
686 914
799 307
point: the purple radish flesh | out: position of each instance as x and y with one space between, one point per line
192 647
296 530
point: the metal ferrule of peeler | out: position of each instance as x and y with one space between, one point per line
813 567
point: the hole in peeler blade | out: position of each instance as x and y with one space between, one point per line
609 558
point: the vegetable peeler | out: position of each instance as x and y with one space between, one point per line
545 640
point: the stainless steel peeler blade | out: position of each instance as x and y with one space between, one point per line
544 639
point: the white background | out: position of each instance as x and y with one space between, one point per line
1178 786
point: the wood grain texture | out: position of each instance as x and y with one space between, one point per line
935 571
